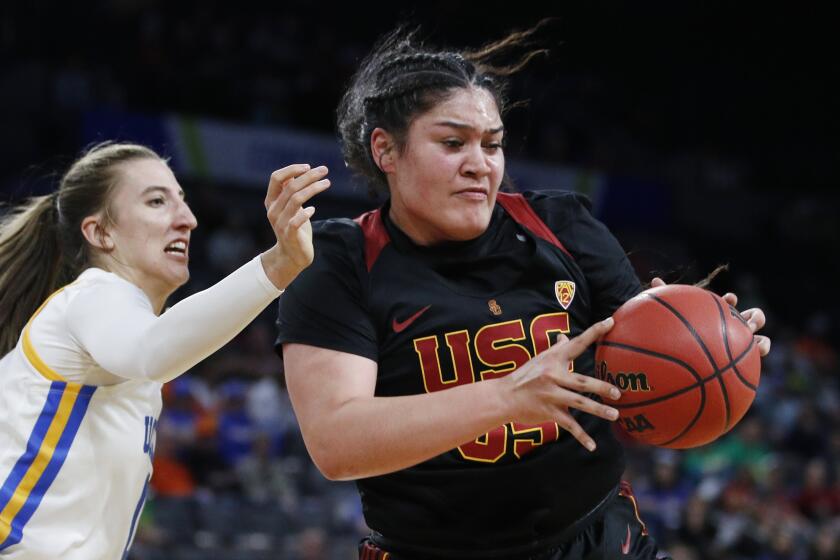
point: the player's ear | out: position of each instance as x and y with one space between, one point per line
95 233
383 147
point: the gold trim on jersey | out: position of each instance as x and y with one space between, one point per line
500 369
41 460
29 349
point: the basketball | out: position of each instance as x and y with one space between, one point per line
685 362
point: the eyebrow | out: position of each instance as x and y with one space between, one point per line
464 126
165 190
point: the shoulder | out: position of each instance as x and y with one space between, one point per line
337 233
339 257
338 242
93 279
559 210
596 250
92 300
557 201
335 227
325 305
100 289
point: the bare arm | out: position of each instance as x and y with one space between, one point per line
350 433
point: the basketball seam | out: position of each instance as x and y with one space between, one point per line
740 377
725 337
703 347
696 375
688 325
699 384
701 381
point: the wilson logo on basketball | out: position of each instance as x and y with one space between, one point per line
633 382
565 292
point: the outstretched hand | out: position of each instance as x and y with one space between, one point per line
544 389
754 317
288 190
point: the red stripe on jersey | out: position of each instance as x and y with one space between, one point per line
523 214
376 237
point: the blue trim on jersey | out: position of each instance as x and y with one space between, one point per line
54 466
34 444
136 515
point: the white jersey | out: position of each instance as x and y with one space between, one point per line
79 402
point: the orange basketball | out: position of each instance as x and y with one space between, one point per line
685 362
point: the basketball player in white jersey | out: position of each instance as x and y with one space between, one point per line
82 369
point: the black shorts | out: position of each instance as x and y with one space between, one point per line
617 533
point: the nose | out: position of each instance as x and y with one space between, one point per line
476 163
185 219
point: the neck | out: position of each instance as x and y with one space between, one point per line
156 293
401 218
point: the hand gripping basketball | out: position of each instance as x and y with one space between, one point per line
753 316
687 363
544 389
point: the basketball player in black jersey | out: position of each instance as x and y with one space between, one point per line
430 350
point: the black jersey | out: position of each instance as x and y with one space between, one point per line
460 312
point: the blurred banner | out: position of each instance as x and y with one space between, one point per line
245 155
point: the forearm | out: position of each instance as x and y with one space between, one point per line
199 325
367 436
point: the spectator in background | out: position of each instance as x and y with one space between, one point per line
826 544
265 478
237 431
173 477
744 447
784 545
184 419
311 544
697 529
807 437
818 500
665 496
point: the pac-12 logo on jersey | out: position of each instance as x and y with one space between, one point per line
565 292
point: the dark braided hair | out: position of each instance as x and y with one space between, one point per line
402 79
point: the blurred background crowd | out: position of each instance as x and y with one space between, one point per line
704 135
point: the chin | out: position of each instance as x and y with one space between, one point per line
469 231
184 279
178 279
471 227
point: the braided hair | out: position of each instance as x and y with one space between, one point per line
402 78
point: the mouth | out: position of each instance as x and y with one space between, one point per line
473 193
177 248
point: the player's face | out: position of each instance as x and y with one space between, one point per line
444 182
151 229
